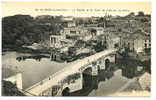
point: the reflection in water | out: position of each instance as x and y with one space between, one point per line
35 71
132 68
32 71
37 57
114 77
106 75
91 83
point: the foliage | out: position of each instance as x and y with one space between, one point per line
10 89
21 30
140 13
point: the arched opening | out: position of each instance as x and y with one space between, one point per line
55 57
107 64
65 92
87 77
51 56
98 69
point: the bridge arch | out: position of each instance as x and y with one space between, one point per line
87 77
103 63
87 70
80 67
108 60
107 64
98 68
65 91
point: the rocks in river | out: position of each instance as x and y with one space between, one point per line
38 57
145 81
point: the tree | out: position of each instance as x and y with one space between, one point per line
10 89
140 13
14 27
24 29
132 14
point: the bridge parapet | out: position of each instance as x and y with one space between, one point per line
56 78
39 84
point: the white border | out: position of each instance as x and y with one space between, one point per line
93 98
82 0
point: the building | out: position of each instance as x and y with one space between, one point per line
111 40
55 56
55 41
137 42
99 30
59 46
67 18
86 37
142 43
78 33
83 30
71 24
83 50
147 42
75 30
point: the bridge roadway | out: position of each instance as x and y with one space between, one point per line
54 79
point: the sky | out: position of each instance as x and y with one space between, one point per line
76 9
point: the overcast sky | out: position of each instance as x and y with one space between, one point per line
79 9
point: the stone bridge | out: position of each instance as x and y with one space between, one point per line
55 84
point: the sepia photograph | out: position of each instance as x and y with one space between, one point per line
91 49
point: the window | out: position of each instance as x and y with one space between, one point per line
116 45
94 63
54 40
100 61
145 45
51 40
73 32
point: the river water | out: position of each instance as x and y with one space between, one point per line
32 70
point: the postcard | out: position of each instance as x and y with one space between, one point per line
76 49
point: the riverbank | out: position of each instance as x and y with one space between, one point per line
138 86
26 50
33 71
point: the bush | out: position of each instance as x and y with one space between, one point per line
10 89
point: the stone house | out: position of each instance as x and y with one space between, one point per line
137 42
55 41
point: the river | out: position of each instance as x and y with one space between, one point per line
32 70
